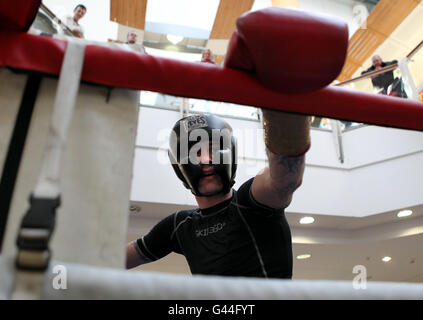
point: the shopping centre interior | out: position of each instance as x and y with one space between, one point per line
361 199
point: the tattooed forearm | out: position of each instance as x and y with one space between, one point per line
286 173
292 165
288 190
275 184
289 164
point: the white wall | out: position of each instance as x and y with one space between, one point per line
382 172
373 144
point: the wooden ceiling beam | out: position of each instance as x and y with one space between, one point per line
129 12
227 13
224 25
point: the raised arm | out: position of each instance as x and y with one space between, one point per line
287 138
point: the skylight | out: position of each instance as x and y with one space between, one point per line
191 14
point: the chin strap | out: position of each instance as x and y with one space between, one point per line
33 256
223 191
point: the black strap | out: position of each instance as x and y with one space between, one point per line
34 234
16 147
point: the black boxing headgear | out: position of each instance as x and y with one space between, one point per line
203 132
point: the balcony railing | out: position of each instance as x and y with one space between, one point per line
48 23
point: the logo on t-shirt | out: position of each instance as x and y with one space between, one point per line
210 230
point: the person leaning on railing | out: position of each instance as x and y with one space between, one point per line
72 21
384 80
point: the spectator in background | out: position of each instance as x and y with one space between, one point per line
207 56
381 81
131 39
72 21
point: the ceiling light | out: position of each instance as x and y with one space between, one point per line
386 259
404 213
304 256
307 220
174 38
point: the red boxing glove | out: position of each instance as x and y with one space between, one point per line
290 51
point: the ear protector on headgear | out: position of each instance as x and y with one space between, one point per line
186 137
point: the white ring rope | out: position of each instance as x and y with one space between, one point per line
85 282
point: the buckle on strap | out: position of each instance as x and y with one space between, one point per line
35 232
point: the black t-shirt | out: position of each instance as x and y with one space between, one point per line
237 237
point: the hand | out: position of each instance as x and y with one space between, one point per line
77 33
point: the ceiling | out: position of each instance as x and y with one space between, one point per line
218 23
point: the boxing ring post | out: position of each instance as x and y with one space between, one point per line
97 168
90 234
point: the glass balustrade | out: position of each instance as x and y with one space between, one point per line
415 65
223 108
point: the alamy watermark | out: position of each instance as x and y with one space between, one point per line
360 280
60 281
249 146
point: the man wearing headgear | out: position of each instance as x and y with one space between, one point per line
231 233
